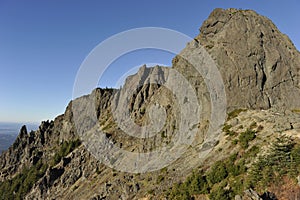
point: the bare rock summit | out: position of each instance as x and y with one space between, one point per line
260 66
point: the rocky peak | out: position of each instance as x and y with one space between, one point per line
23 132
256 60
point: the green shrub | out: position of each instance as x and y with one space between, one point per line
143 110
194 184
238 185
65 149
235 113
180 192
220 193
197 183
246 137
252 152
217 173
160 178
210 46
296 110
253 125
226 128
295 154
235 141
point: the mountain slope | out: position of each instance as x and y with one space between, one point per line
260 69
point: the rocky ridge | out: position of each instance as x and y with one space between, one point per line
258 64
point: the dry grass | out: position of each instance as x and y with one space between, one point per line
288 189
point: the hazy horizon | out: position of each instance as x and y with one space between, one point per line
9 132
9 125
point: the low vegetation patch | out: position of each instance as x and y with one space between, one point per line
296 110
20 185
246 137
65 149
235 113
231 176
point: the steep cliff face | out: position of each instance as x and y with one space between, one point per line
259 64
260 68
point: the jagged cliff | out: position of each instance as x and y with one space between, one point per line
260 68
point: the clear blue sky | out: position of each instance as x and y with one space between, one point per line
43 43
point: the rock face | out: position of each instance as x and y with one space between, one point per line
248 195
260 68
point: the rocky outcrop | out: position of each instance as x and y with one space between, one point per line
249 195
253 195
260 65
